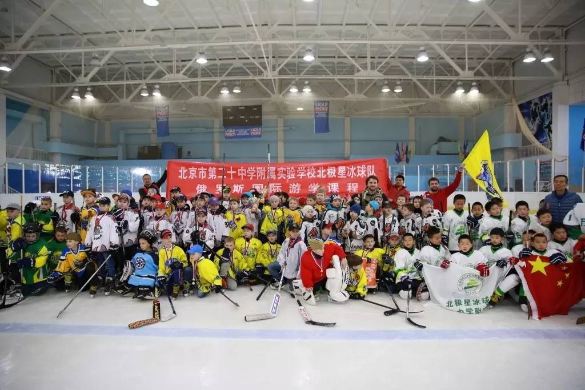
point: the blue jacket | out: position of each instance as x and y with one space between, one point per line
559 207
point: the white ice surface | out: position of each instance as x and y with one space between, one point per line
208 345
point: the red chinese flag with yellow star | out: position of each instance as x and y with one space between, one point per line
551 289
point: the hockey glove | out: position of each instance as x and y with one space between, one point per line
124 227
176 265
259 269
195 236
18 244
557 258
118 214
388 260
217 289
29 208
502 263
445 264
161 280
54 277
355 296
514 260
509 235
404 279
75 218
79 263
418 265
445 240
26 262
487 242
472 222
484 270
524 253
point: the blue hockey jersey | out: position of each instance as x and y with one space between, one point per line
145 269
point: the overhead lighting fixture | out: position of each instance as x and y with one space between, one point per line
89 94
307 87
300 108
385 88
309 56
237 89
150 3
156 91
201 58
224 90
5 64
547 56
293 87
474 90
75 94
474 1
308 1
460 90
529 56
422 55
144 91
95 60
398 87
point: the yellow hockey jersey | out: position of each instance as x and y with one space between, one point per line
268 253
207 275
69 257
238 263
249 249
358 282
273 218
235 221
164 258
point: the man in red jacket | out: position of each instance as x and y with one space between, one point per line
323 266
439 195
397 188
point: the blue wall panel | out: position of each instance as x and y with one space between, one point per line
302 144
377 135
576 155
428 131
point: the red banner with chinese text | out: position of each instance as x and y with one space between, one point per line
297 179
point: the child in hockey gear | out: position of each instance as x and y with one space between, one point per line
324 266
417 206
251 210
180 217
216 218
435 253
199 231
14 225
269 251
493 220
226 191
310 226
72 264
235 219
544 220
160 223
526 237
43 215
457 222
273 216
575 221
284 198
522 222
173 267
231 264
248 246
34 264
467 257
66 210
335 216
321 203
327 236
496 252
141 274
146 211
408 277
354 230
55 247
411 223
560 241
205 277
288 259
312 200
127 221
387 222
429 218
88 211
102 237
292 215
357 285
372 260
477 213
371 220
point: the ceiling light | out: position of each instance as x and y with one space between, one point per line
237 89
293 87
95 60
75 94
150 3
5 64
144 91
201 58
529 56
547 56
474 1
308 1
474 90
398 87
309 56
89 94
300 108
307 87
422 55
156 91
385 88
460 90
224 90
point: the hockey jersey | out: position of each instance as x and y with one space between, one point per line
40 271
249 249
355 234
129 236
309 229
373 254
273 218
145 269
336 217
65 212
490 222
206 236
388 225
372 228
206 275
13 232
470 259
218 224
358 282
69 257
43 218
102 234
238 263
147 215
268 253
494 254
521 225
454 225
290 256
158 224
55 249
179 219
412 225
405 260
254 218
576 217
235 221
566 248
434 255
88 211
166 256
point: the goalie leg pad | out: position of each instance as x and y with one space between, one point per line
308 296
127 272
337 282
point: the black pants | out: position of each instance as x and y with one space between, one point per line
403 286
3 259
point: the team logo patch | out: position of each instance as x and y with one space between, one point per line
470 284
487 178
140 263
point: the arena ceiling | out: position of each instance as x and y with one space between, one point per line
259 45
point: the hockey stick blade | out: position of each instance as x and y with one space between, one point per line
415 324
309 321
141 323
390 309
266 316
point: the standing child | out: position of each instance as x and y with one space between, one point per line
34 264
160 223
269 251
88 211
252 211
273 217
43 215
235 219
522 222
411 223
205 274
493 220
477 213
457 222
335 215
66 210
127 221
354 230
429 218
216 219
173 267
544 221
102 237
14 225
200 233
408 278
146 211
180 217
72 264
288 260
310 225
321 204
371 220
388 222
292 215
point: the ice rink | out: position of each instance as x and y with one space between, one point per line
208 345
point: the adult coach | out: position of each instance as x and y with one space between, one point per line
372 190
561 200
147 183
398 188
439 195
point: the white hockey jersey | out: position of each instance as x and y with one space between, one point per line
433 255
356 232
130 236
336 218
147 214
253 218
488 223
412 225
102 234
493 255
388 225
454 225
65 216
290 255
309 229
218 225
566 248
180 220
470 260
435 219
372 227
576 217
405 260
519 226
205 235
158 225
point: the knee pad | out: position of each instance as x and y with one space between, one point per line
404 294
299 289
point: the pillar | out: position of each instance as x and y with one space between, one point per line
510 127
3 135
107 133
280 139
347 137
153 137
55 133
412 134
560 127
216 139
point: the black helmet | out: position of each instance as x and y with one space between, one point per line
32 228
148 235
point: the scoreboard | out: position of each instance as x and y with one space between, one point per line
242 116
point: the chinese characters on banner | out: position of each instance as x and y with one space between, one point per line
297 179
162 121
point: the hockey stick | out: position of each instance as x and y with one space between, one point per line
273 306
263 290
510 229
391 309
469 215
307 317
408 312
86 283
228 298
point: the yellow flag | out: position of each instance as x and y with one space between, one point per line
480 167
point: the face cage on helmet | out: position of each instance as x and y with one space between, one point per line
32 237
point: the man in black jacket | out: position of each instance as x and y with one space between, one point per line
147 183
